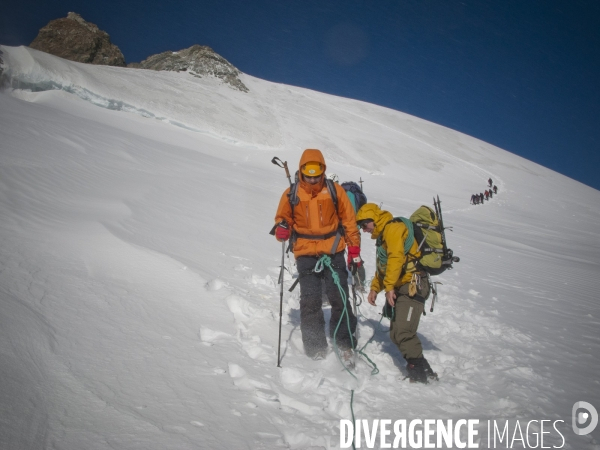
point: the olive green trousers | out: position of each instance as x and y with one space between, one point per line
407 316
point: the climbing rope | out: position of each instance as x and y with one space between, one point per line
325 261
322 263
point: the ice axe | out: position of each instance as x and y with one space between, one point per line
283 165
434 291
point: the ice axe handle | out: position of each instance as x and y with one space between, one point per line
277 161
282 164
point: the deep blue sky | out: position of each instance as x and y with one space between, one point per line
521 74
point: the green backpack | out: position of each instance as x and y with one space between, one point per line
424 227
427 232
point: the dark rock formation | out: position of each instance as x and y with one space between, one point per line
75 39
198 60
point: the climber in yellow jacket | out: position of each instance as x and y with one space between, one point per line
406 288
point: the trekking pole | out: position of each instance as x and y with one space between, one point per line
283 165
361 182
354 271
280 303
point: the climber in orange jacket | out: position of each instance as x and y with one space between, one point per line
316 227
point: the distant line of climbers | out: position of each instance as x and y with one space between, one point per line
477 199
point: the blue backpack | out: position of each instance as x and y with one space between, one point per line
355 194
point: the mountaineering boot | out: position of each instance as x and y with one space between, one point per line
348 358
431 375
319 355
416 370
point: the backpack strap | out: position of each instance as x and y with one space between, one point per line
293 196
427 226
340 231
411 233
382 254
333 192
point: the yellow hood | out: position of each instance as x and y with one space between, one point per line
379 216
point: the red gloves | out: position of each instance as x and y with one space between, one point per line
354 256
282 233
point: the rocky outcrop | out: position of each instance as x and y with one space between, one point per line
198 60
75 39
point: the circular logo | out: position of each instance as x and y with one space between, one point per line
580 418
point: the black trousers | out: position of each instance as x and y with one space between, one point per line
312 319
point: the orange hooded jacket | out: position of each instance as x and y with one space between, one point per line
315 214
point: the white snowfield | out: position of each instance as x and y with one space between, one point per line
138 282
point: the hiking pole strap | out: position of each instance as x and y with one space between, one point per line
294 284
272 232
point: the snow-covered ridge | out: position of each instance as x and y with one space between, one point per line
256 119
29 69
95 99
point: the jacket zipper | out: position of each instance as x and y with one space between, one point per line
321 213
307 218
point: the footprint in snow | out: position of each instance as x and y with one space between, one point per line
215 285
295 380
266 395
243 311
266 281
241 379
211 337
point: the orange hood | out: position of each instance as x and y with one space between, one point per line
310 155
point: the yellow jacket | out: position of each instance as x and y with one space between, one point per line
315 214
389 274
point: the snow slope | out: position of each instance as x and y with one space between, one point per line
139 304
